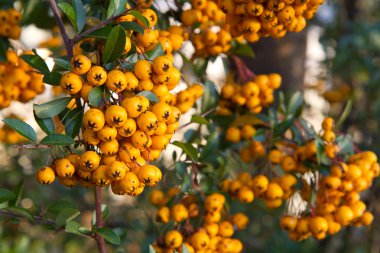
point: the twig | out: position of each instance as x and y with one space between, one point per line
99 220
67 41
38 219
202 115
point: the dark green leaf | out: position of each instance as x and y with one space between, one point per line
139 17
115 44
116 7
243 50
346 112
95 97
72 227
102 33
58 140
109 235
52 78
199 119
72 119
128 25
149 95
155 52
52 108
80 14
283 126
4 45
295 104
210 96
57 206
36 62
22 128
47 124
62 63
22 212
105 214
18 192
188 148
70 13
66 215
6 195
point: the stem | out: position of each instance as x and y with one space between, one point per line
68 42
38 219
99 220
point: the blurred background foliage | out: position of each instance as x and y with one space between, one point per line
350 70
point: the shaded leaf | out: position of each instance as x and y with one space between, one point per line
52 78
66 215
116 7
139 17
295 104
70 13
128 25
47 124
58 140
199 119
95 97
6 195
80 14
52 108
109 235
155 52
22 128
101 33
149 95
36 62
57 206
18 190
115 44
188 148
21 212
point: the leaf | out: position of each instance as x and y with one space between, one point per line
128 25
36 62
283 126
109 235
72 227
95 97
188 148
105 214
346 112
52 108
58 140
199 119
295 104
72 119
115 44
52 78
149 95
155 52
4 45
22 128
66 215
243 50
18 192
57 206
139 17
209 98
151 249
102 33
6 195
62 63
80 14
70 13
21 212
116 7
47 125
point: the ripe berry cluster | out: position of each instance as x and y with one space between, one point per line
253 95
212 235
18 80
9 23
253 19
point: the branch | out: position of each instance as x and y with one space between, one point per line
99 220
68 42
38 219
202 115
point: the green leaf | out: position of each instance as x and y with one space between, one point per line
52 108
102 33
109 235
85 231
346 112
199 119
22 128
72 119
295 104
6 195
116 7
210 97
47 125
95 97
105 214
62 63
21 212
72 227
243 50
66 215
149 95
58 140
36 62
151 249
139 17
155 52
80 14
52 78
115 44
4 45
57 206
188 148
18 192
128 25
283 126
70 13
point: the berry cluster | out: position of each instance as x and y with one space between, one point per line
253 19
9 23
123 135
213 234
253 95
18 81
186 99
